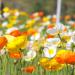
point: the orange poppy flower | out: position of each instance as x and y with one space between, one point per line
61 56
71 58
65 29
73 25
31 32
24 33
32 16
28 69
67 17
50 26
15 33
40 13
67 57
50 36
16 55
53 20
3 42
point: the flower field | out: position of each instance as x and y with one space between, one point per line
32 44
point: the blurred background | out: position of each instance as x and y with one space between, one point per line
48 6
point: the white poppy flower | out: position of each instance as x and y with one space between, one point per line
4 24
11 29
41 28
52 31
70 22
37 18
36 36
2 52
49 16
54 16
46 23
68 45
1 32
53 41
29 45
6 14
49 52
30 55
21 26
17 13
35 14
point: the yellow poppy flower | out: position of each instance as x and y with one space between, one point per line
9 38
9 25
43 61
17 43
53 65
23 13
21 41
50 65
6 9
45 19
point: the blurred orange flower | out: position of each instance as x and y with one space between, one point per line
67 17
73 25
31 31
50 26
50 36
40 13
15 55
32 16
15 33
24 33
28 69
71 58
68 57
3 42
53 19
65 29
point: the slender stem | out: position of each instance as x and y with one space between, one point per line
73 64
67 68
72 70
44 72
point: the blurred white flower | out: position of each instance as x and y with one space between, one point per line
6 14
70 22
11 29
21 26
53 41
2 52
35 14
68 45
54 16
37 18
41 28
49 52
17 13
30 55
1 32
36 36
4 24
49 16
52 31
46 23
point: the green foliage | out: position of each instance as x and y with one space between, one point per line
49 6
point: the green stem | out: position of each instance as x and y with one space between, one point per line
72 70
44 72
4 65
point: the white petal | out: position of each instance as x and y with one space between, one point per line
11 29
4 24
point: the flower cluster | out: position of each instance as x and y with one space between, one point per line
31 40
